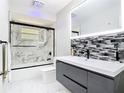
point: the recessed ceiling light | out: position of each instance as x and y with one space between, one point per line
38 3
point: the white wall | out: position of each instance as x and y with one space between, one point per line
102 21
19 17
122 13
3 26
1 90
4 20
63 29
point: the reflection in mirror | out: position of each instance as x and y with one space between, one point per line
94 16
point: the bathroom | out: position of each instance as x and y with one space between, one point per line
62 46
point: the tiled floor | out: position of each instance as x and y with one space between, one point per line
35 86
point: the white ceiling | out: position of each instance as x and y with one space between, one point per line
47 12
93 7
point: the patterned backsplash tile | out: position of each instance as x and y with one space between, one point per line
106 47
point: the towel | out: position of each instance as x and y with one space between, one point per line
9 61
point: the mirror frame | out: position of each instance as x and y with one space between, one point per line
97 33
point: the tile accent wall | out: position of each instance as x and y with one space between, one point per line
106 47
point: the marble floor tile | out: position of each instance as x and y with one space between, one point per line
35 86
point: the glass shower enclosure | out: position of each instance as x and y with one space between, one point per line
31 45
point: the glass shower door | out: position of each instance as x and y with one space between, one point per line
31 46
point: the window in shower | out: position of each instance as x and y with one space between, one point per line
31 45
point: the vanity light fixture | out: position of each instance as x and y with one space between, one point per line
38 3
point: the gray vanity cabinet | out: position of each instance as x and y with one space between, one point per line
72 78
79 80
99 84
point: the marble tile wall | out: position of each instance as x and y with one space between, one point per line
35 53
106 47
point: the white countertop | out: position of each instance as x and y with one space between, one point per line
111 69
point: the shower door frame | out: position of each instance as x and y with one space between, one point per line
31 25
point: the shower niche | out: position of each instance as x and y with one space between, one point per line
31 45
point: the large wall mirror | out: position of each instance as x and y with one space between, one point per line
93 16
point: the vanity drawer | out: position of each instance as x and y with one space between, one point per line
73 72
76 74
72 85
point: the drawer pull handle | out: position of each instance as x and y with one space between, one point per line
74 81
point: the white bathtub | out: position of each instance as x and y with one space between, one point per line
28 73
